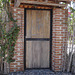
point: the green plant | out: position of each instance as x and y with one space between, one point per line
8 39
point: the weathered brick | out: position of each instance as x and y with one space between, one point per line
58 39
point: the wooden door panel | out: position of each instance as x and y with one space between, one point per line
38 24
37 54
38 28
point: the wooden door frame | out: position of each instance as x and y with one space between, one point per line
51 21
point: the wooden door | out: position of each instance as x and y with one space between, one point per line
37 38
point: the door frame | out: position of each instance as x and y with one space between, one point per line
50 39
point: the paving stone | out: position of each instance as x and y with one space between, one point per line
39 72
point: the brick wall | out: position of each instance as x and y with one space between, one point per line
59 38
18 65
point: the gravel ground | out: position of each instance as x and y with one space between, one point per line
39 72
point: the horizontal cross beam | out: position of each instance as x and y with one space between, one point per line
38 3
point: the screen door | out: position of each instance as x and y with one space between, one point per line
37 38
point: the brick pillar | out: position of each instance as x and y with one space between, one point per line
59 38
18 65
